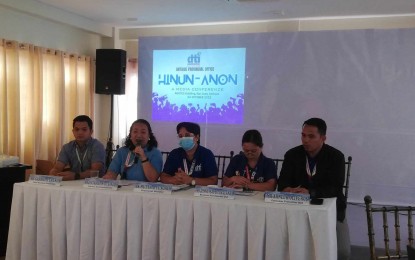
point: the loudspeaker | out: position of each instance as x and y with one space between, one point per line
110 71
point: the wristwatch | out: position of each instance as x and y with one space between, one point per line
193 183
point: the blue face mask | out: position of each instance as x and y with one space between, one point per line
186 143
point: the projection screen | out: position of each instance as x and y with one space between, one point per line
361 82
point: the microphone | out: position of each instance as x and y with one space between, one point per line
138 141
132 146
313 193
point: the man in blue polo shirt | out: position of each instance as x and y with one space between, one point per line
82 154
192 163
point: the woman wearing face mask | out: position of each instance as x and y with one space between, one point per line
192 163
251 169
139 159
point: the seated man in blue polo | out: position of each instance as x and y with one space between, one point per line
82 154
192 163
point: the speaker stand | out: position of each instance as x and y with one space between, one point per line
110 144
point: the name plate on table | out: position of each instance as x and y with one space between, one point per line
287 198
103 184
153 187
45 179
215 192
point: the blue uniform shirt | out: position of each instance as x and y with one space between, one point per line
133 169
81 160
203 161
263 171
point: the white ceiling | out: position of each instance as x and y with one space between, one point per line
136 13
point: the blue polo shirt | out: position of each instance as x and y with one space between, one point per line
263 171
203 160
133 169
81 160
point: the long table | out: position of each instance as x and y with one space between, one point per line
73 222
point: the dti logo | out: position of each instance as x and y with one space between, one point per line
194 59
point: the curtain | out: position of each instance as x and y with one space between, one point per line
41 91
125 106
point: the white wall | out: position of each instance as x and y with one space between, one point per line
40 32
29 29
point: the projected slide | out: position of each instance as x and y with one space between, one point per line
199 85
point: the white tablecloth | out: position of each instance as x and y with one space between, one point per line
72 222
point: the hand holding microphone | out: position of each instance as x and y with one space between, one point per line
138 150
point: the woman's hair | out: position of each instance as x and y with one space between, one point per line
252 136
150 144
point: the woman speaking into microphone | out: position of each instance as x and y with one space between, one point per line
139 159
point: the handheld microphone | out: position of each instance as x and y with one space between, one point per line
138 141
131 147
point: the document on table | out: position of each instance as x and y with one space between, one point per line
180 187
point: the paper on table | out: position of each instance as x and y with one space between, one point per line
127 182
179 187
246 192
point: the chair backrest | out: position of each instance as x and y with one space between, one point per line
278 163
109 153
43 167
396 212
348 165
222 161
164 155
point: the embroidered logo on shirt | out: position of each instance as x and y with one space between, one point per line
198 168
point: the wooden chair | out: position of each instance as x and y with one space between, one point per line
277 163
43 167
397 212
348 165
164 155
222 162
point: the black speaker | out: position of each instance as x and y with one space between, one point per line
110 71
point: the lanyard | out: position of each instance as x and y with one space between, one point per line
127 161
307 168
79 159
248 175
192 167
